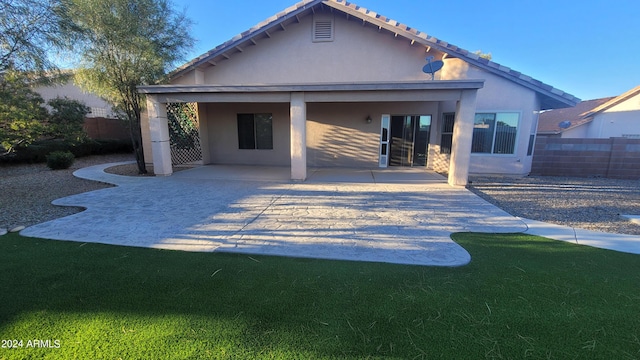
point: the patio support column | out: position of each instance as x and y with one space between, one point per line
159 132
462 137
298 113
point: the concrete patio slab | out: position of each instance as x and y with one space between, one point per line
352 218
397 216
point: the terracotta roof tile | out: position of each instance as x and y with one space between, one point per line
549 121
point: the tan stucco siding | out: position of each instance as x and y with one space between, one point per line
357 54
73 92
339 136
620 120
222 127
502 95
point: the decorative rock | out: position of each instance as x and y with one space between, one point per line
16 229
3 231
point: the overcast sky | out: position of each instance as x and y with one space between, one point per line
590 49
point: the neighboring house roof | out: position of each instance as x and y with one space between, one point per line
613 102
551 97
554 122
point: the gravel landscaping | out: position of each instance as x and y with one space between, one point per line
28 190
588 203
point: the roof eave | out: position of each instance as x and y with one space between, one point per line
551 98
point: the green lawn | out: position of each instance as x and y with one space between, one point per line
521 296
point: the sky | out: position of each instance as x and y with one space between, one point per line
590 49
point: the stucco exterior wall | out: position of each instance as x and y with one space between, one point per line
337 134
74 92
357 54
498 95
620 120
222 132
577 132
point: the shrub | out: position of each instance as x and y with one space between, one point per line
37 152
58 160
66 119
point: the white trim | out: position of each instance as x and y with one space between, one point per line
493 140
383 158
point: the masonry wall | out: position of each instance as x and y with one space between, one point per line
617 158
99 128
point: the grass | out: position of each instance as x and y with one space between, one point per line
521 296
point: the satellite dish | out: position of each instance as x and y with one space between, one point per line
432 66
564 124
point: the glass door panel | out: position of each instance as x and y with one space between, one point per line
421 142
409 140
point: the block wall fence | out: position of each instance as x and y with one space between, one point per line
617 158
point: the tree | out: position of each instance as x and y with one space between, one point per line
66 119
29 31
126 43
483 55
21 113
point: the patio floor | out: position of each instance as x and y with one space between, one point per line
396 215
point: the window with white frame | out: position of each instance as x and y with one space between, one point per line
495 133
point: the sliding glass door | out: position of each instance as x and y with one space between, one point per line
409 140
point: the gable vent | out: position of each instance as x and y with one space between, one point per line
322 30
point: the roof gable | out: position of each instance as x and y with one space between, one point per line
612 102
550 96
582 113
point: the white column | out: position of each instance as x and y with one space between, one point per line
462 137
159 131
298 115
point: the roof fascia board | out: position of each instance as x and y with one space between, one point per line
320 87
278 19
611 103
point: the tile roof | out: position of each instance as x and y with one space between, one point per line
550 96
581 114
549 121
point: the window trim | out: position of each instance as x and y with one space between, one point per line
493 140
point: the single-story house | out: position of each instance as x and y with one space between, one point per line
604 118
327 83
101 122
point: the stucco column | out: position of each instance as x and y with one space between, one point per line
159 132
298 113
462 137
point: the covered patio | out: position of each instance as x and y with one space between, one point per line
298 97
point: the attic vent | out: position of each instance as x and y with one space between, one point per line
322 30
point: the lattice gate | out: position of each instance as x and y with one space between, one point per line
184 135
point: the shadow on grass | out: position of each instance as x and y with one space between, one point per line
520 296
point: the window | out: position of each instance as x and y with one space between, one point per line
495 133
447 133
255 131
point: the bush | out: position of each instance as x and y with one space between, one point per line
58 160
37 152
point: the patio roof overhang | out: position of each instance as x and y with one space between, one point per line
321 92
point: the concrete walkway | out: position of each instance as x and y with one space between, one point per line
401 216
